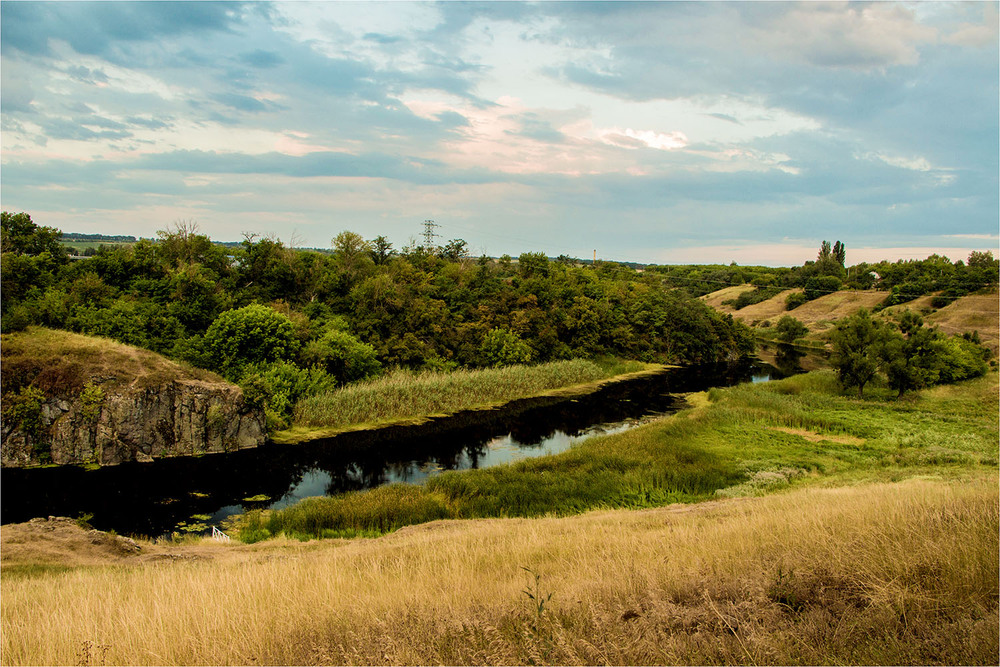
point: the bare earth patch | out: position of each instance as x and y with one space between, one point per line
812 436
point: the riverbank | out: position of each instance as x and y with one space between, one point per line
407 399
744 440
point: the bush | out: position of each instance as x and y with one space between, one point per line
789 329
342 356
278 386
750 297
821 286
24 409
795 300
960 359
501 347
903 293
92 399
254 334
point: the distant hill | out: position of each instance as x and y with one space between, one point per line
975 312
68 237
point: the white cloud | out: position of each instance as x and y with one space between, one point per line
629 138
978 34
837 34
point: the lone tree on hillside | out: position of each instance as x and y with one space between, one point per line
857 342
789 329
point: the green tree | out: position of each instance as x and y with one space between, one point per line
821 286
911 358
789 329
342 356
501 347
857 342
825 253
840 253
794 300
20 235
380 250
250 335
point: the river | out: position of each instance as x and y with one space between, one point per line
194 493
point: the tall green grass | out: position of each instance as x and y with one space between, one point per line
747 440
407 394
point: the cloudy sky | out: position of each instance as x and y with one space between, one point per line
655 132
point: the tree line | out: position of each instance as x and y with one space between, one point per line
285 323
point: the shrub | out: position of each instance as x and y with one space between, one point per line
795 300
789 329
253 334
343 356
278 386
821 286
92 398
750 297
24 409
501 347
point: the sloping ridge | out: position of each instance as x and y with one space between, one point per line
975 312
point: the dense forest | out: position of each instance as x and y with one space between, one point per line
286 323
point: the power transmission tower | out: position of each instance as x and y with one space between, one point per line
429 234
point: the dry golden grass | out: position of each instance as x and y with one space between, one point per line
819 314
976 312
921 305
816 314
881 574
771 309
60 362
716 298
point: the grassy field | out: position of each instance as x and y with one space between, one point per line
407 396
837 530
866 574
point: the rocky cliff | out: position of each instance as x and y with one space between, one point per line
105 403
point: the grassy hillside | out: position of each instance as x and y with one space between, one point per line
868 574
845 531
716 298
976 312
61 362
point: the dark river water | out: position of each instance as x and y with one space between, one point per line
192 494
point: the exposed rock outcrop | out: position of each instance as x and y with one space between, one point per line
180 417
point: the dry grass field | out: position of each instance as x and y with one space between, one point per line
817 314
716 298
873 574
977 312
771 309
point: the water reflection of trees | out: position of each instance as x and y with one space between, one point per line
788 359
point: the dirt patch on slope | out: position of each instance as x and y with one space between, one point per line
812 436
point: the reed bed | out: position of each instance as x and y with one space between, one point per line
871 574
407 394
